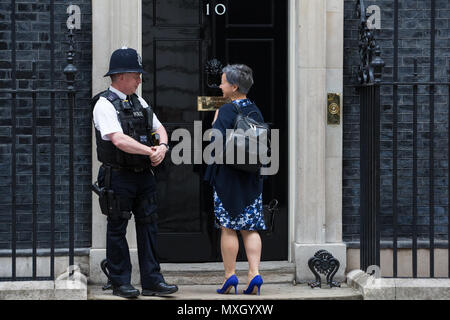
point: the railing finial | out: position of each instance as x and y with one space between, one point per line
70 70
371 63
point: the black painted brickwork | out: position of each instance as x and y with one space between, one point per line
414 41
33 42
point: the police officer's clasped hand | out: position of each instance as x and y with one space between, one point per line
158 155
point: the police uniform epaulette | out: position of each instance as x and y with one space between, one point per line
111 96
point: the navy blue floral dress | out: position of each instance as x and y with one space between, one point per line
251 218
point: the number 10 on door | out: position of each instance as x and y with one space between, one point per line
219 9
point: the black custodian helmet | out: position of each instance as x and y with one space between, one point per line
125 60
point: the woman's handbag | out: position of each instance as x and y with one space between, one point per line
269 212
247 139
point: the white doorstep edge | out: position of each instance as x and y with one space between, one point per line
60 289
398 288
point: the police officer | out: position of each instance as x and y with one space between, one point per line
125 130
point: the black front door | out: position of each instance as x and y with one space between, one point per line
179 37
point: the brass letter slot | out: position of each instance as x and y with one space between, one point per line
334 108
205 103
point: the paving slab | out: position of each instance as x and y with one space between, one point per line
279 291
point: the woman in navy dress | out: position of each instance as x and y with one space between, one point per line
237 194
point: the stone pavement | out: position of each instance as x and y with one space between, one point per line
275 291
199 281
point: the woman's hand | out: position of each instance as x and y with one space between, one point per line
215 116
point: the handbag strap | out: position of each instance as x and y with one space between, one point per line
239 111
236 107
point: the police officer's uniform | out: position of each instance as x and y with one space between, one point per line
127 182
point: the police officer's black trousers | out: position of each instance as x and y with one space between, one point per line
136 194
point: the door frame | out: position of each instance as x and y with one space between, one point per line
292 115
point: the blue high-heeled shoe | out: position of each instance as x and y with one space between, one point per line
231 281
254 284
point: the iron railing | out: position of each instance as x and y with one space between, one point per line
19 94
370 87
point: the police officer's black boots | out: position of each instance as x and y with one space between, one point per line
160 289
125 291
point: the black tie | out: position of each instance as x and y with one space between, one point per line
129 100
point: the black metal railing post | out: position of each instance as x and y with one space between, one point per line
370 177
52 141
432 121
70 71
34 167
448 169
377 65
13 143
370 72
395 144
415 191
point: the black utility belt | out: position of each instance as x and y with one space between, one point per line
128 169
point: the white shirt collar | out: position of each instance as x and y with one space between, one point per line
120 94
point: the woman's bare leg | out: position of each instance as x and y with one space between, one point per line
229 245
253 247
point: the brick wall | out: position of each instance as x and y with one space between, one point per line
33 42
414 41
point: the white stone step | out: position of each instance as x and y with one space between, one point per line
213 273
194 273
